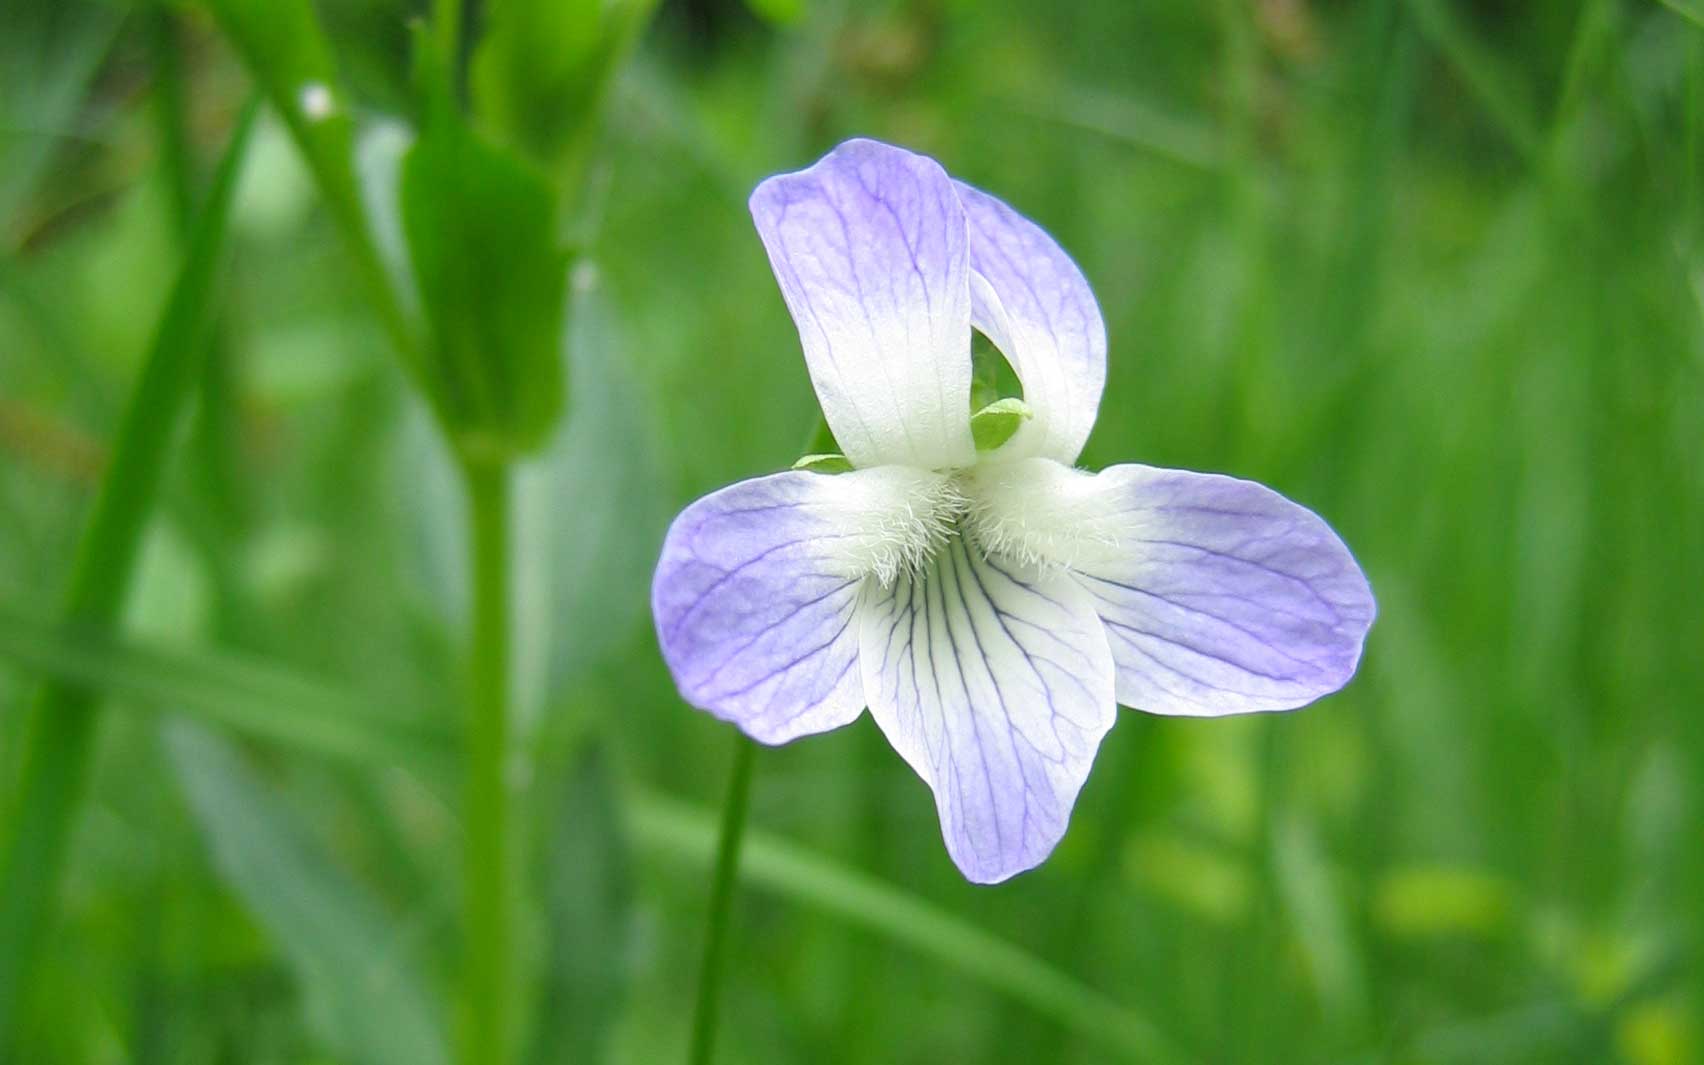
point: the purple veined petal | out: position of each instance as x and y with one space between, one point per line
1029 298
754 595
1219 595
869 248
994 681
754 606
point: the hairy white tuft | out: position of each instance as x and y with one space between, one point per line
1037 512
897 519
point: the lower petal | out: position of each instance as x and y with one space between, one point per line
995 682
754 604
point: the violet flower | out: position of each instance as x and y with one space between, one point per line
991 608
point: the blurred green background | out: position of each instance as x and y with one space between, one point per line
1433 268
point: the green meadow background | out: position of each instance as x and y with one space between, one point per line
1433 268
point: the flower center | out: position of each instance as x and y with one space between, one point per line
1035 512
905 516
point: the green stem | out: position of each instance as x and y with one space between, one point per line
446 28
704 1014
213 443
62 729
490 865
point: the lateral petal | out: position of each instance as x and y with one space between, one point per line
754 604
1219 595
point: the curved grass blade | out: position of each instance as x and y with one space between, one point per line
675 830
61 734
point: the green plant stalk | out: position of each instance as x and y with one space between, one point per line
490 880
62 728
704 1013
446 33
213 443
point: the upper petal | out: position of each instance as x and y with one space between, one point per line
869 247
995 682
1029 298
1219 595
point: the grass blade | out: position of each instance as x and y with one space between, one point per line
1480 71
1684 12
677 831
287 51
61 734
363 1000
231 692
49 56
587 897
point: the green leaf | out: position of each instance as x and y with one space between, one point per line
994 424
541 71
585 568
832 463
481 229
588 903
361 985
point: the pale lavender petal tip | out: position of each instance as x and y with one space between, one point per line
1225 597
755 624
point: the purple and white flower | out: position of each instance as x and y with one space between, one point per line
991 608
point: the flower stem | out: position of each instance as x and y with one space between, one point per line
489 855
62 729
446 31
704 1014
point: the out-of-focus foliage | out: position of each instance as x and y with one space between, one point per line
1432 268
481 232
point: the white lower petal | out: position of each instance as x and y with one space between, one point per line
995 682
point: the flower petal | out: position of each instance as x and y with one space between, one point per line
754 605
1219 596
1029 298
995 682
869 247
